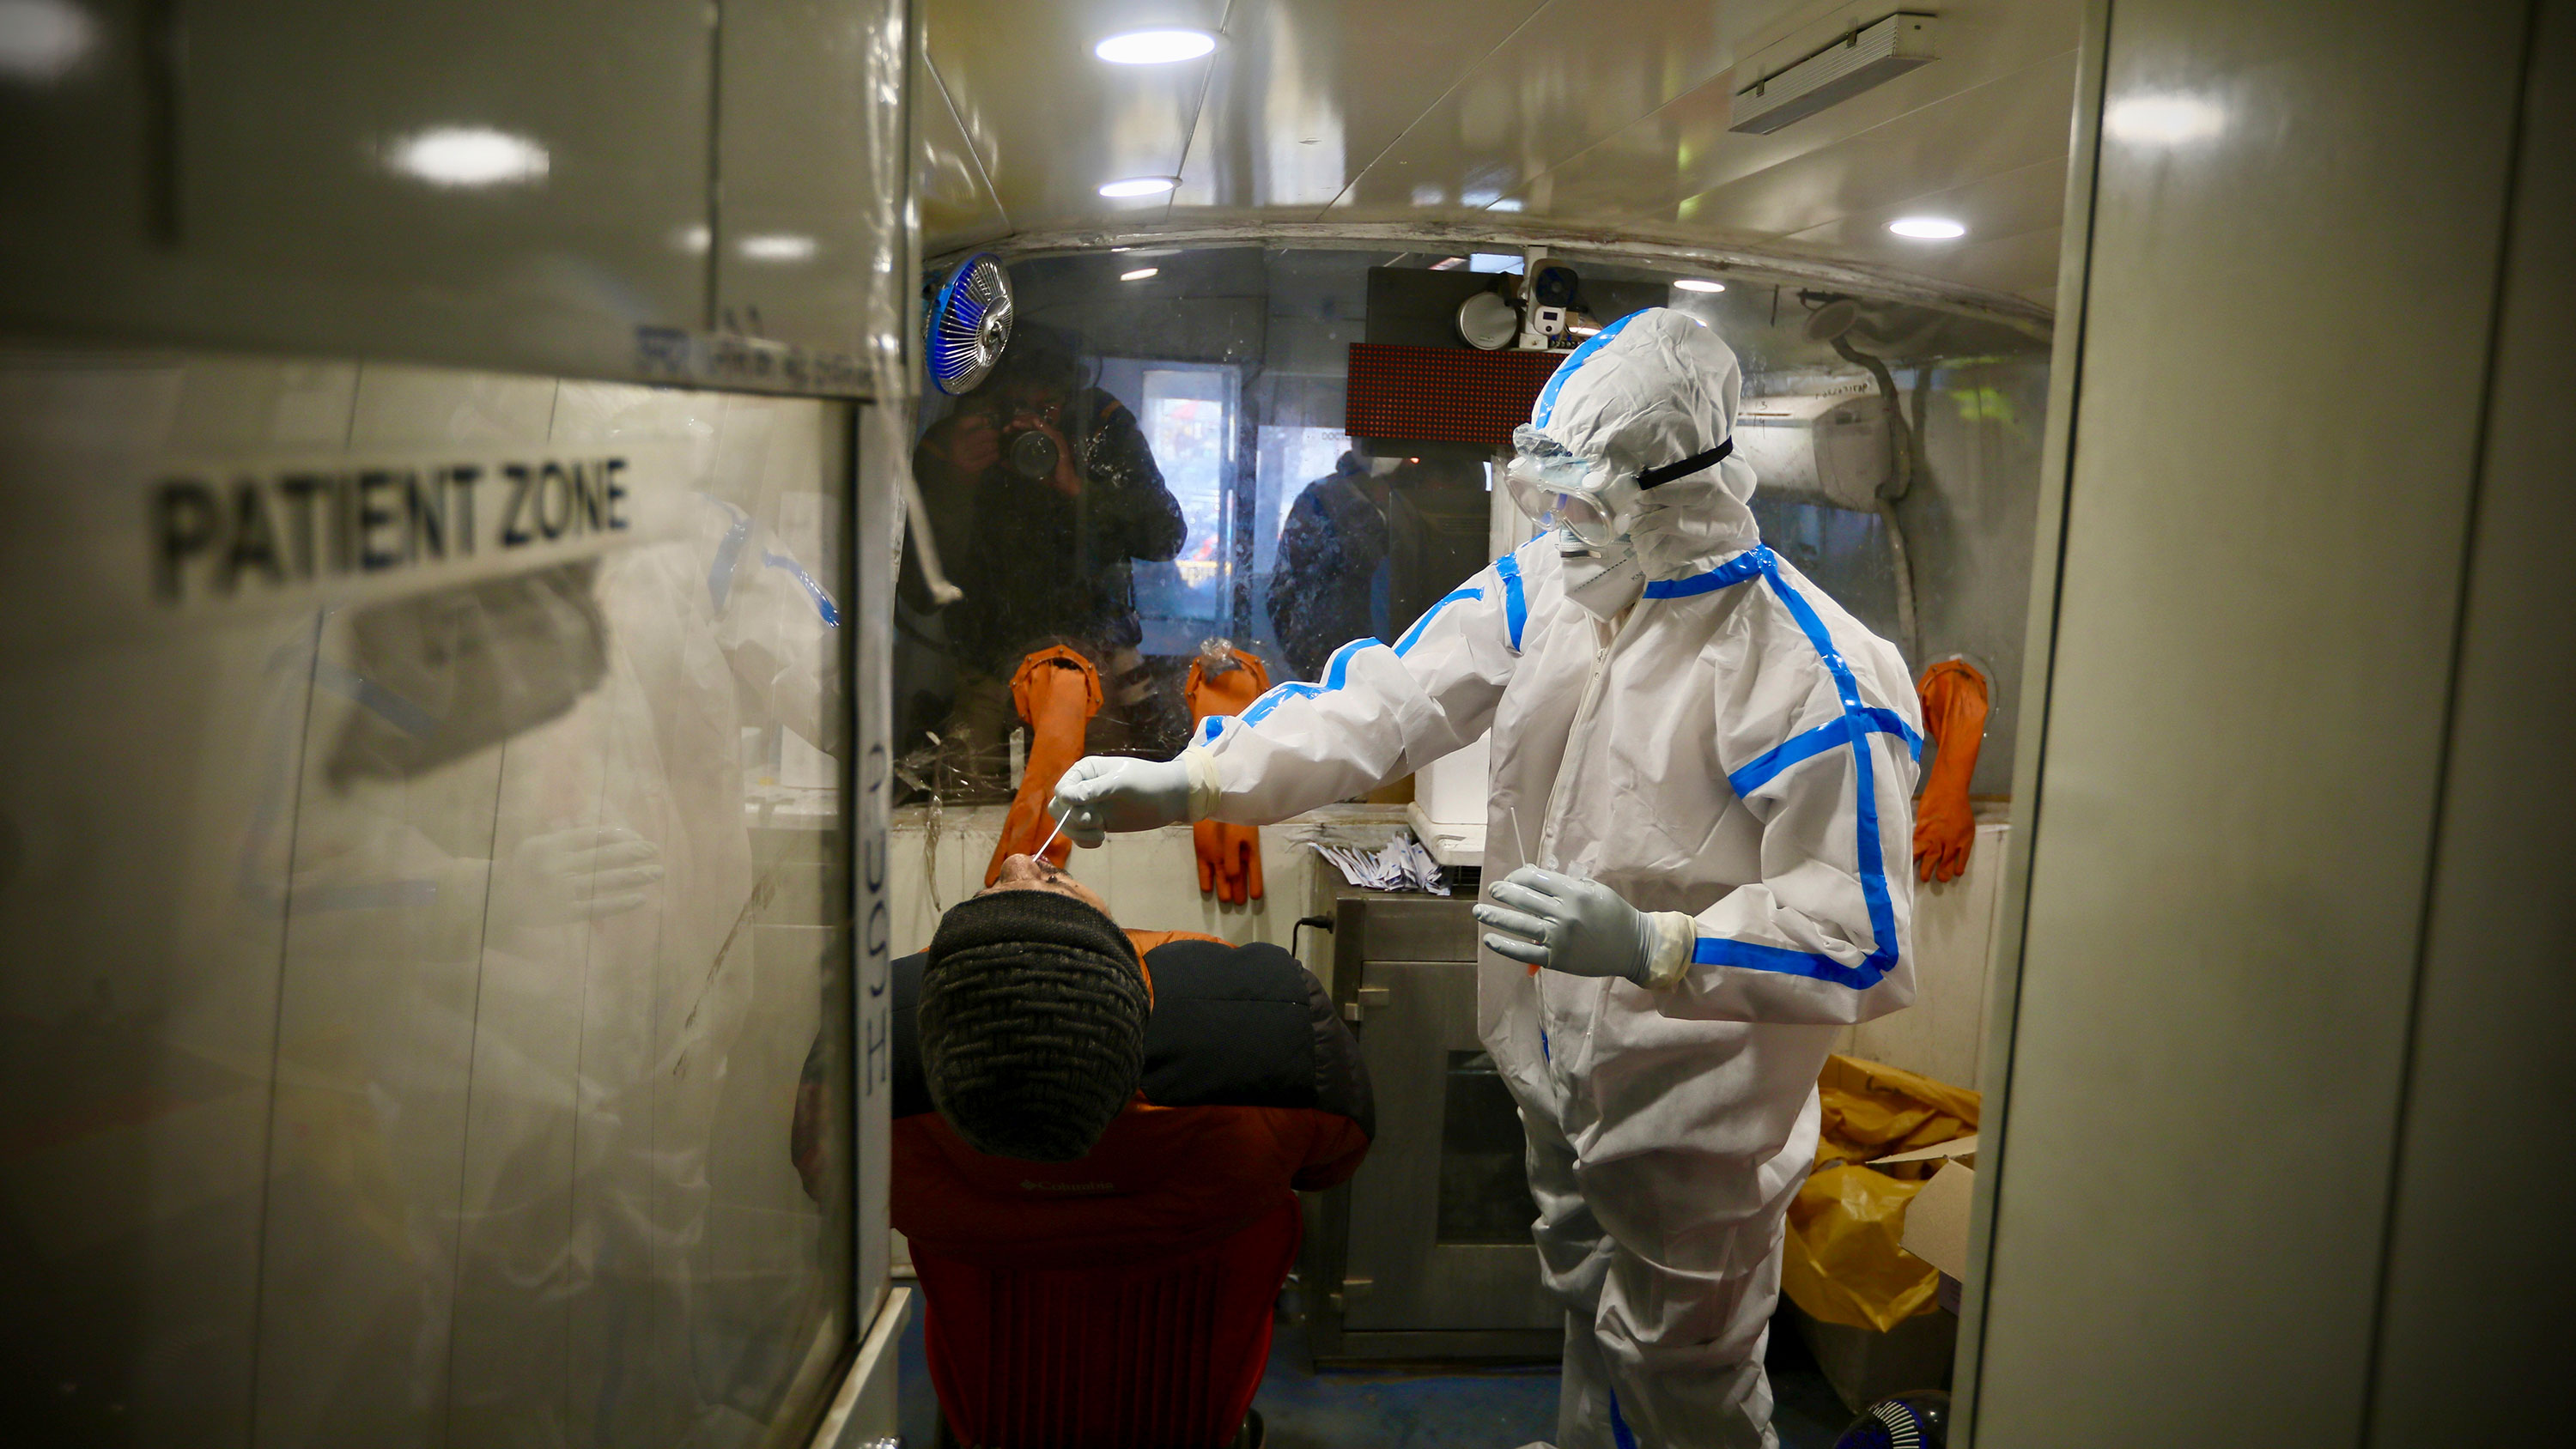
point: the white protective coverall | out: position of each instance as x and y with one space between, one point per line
1733 746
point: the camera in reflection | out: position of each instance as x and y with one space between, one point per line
1032 454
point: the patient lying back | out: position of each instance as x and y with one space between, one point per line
1063 1086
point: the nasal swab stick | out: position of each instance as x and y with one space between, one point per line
1514 811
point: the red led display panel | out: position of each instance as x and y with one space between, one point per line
1443 394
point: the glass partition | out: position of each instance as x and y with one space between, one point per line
1161 460
425 874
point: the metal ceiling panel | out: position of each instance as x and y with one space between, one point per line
1995 129
2012 220
1307 93
1050 120
1685 149
1568 78
958 206
1590 116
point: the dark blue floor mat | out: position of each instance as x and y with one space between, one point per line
1370 1409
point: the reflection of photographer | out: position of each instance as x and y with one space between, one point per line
1060 494
1043 492
1028 439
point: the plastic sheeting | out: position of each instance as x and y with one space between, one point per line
1843 1263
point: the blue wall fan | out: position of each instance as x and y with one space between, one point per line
1919 1420
970 324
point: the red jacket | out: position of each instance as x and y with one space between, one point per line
1252 1090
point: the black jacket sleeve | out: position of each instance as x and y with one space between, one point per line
1131 511
1341 1078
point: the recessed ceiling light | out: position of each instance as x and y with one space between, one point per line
785 246
470 156
1139 186
1698 284
1138 275
1154 47
2167 119
1927 228
41 40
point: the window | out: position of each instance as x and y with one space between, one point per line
1188 415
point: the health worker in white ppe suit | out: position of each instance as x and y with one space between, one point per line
1710 766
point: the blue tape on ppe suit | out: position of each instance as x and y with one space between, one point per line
1337 671
1515 606
1621 1435
1546 408
1853 729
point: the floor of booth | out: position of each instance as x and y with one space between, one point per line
1490 1409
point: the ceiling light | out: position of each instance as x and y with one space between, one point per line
1139 186
1699 284
40 40
470 156
1138 275
1154 47
1927 228
2170 120
778 247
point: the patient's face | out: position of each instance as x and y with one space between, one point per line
1028 873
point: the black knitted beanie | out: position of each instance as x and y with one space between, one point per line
1032 1024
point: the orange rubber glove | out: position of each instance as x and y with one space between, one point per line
1057 692
1954 711
1229 855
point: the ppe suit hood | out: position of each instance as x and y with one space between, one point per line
1651 389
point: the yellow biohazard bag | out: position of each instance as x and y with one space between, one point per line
1842 1264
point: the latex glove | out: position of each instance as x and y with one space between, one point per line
1223 682
581 874
1579 927
1102 793
1229 860
1057 692
1954 714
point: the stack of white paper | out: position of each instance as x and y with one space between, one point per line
1400 865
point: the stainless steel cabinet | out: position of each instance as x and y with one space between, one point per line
1426 1253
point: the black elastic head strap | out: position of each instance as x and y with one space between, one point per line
1657 477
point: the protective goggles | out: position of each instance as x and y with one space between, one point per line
1564 491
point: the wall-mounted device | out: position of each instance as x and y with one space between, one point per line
1830 449
1444 372
1860 58
1487 321
1532 312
